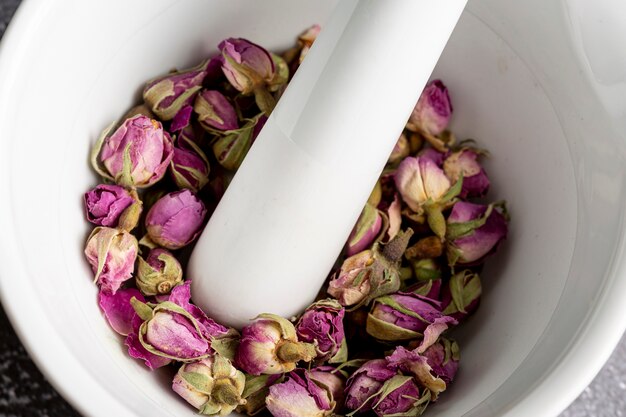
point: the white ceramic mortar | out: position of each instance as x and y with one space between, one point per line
528 80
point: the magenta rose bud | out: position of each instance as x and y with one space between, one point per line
443 357
433 110
474 231
168 95
189 166
371 273
105 203
299 395
158 273
415 363
111 254
322 324
420 181
215 111
332 379
365 383
475 180
377 386
461 296
406 316
137 154
247 66
212 385
269 345
176 219
365 231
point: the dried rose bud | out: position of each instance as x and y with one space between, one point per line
182 118
158 273
464 163
306 39
231 148
400 151
111 254
420 181
175 220
137 154
443 357
189 166
247 66
167 95
269 345
427 247
333 380
178 330
377 386
299 395
215 111
433 110
365 231
406 316
474 231
413 362
118 310
322 324
370 273
136 349
105 203
461 297
212 385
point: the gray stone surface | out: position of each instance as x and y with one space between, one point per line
24 392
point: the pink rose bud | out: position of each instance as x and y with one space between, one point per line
322 324
332 379
413 362
136 155
420 181
299 395
474 231
433 110
377 386
370 273
434 155
182 118
167 95
158 273
269 345
189 166
400 151
178 330
105 203
136 349
365 231
231 148
475 180
406 316
176 219
215 111
443 357
461 296
118 310
111 254
247 66
212 385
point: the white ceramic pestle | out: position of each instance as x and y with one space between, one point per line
286 215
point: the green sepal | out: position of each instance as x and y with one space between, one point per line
95 152
465 287
342 354
264 100
226 345
436 221
200 382
463 229
388 332
143 310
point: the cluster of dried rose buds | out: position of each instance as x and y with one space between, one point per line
409 271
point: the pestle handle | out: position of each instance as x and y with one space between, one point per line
286 215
